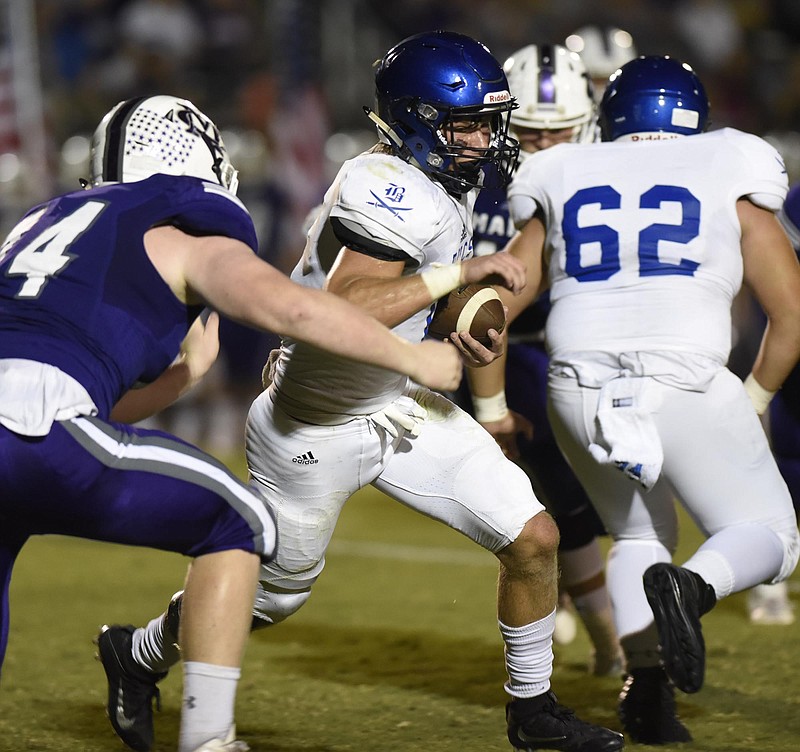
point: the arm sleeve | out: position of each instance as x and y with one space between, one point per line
359 238
765 181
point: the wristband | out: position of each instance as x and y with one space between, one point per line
442 279
490 409
759 396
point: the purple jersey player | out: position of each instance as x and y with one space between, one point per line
98 291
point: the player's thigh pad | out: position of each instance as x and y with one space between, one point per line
627 511
122 484
307 473
718 459
455 472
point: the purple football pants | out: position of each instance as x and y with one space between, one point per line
117 483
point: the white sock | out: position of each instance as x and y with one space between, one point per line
529 656
209 694
738 558
627 562
154 647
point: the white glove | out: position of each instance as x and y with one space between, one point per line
393 416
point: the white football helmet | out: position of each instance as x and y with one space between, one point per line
552 89
602 49
160 134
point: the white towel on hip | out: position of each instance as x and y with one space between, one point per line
628 436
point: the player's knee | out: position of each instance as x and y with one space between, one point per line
536 544
790 538
272 608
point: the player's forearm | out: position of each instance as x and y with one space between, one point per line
331 323
489 380
778 354
391 300
138 404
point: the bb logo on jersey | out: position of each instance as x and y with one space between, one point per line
394 193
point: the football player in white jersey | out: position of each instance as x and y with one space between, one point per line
644 240
394 235
556 104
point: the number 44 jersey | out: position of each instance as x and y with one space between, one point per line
79 292
643 240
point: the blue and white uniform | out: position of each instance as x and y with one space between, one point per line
526 390
328 426
84 317
643 254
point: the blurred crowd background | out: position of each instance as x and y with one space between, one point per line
286 81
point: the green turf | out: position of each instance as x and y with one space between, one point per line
397 651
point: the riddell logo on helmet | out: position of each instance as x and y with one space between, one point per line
496 97
655 136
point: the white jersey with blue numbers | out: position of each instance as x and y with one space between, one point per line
643 239
387 203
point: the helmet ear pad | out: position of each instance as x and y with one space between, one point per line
653 94
145 136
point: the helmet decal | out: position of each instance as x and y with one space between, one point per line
547 86
553 90
148 135
115 140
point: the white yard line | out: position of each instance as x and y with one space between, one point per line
402 552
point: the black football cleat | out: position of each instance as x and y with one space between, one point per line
131 688
647 708
541 723
679 597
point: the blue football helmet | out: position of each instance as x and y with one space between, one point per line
653 94
425 84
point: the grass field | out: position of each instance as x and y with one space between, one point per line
397 651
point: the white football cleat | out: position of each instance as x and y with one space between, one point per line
770 604
228 744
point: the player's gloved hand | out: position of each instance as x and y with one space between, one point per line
404 413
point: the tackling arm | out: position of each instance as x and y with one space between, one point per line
225 274
198 352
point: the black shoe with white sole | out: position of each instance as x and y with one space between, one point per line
679 597
131 688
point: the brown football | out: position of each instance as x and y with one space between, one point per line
474 308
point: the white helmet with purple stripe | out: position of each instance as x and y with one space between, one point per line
552 89
160 134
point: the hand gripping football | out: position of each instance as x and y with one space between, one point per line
474 308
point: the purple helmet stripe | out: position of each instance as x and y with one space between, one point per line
547 87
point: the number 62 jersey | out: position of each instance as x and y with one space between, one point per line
643 239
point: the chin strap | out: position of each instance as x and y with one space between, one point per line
384 128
